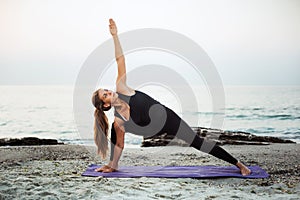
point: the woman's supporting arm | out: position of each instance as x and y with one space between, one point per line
113 138
118 148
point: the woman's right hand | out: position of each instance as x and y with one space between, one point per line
113 27
101 169
109 170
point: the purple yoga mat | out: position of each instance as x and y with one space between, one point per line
177 172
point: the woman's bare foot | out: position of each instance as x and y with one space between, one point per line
244 170
101 169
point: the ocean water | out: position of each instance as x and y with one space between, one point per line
47 111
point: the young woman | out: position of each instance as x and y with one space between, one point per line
138 113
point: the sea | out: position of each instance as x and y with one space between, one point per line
46 111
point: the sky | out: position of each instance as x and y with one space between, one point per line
251 42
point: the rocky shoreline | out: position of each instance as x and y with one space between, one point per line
28 141
221 137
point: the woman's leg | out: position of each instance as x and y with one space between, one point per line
183 131
177 127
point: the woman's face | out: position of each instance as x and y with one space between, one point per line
107 96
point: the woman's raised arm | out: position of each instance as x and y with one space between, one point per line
118 53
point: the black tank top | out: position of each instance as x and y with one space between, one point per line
139 103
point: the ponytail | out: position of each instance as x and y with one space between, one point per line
100 126
100 132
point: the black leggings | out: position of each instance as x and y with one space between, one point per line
184 132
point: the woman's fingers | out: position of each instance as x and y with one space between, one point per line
105 169
112 24
112 27
111 21
101 169
109 170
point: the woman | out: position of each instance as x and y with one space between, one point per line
140 114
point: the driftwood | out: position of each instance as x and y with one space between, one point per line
26 141
219 136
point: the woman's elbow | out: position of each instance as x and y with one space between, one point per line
120 145
120 59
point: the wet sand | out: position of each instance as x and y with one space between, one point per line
54 172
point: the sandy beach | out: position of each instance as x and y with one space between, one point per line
54 172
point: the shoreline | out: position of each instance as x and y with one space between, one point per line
24 167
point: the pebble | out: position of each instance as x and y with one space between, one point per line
99 178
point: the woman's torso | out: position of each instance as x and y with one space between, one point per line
140 104
148 117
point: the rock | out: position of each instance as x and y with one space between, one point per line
217 135
27 141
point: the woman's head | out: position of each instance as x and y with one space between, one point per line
102 100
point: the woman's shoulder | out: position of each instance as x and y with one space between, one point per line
124 89
126 92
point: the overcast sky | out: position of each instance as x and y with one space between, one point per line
255 42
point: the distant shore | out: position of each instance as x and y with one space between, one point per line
55 171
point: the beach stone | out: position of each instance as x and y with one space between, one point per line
221 137
99 178
27 141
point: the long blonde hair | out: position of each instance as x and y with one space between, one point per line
100 125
